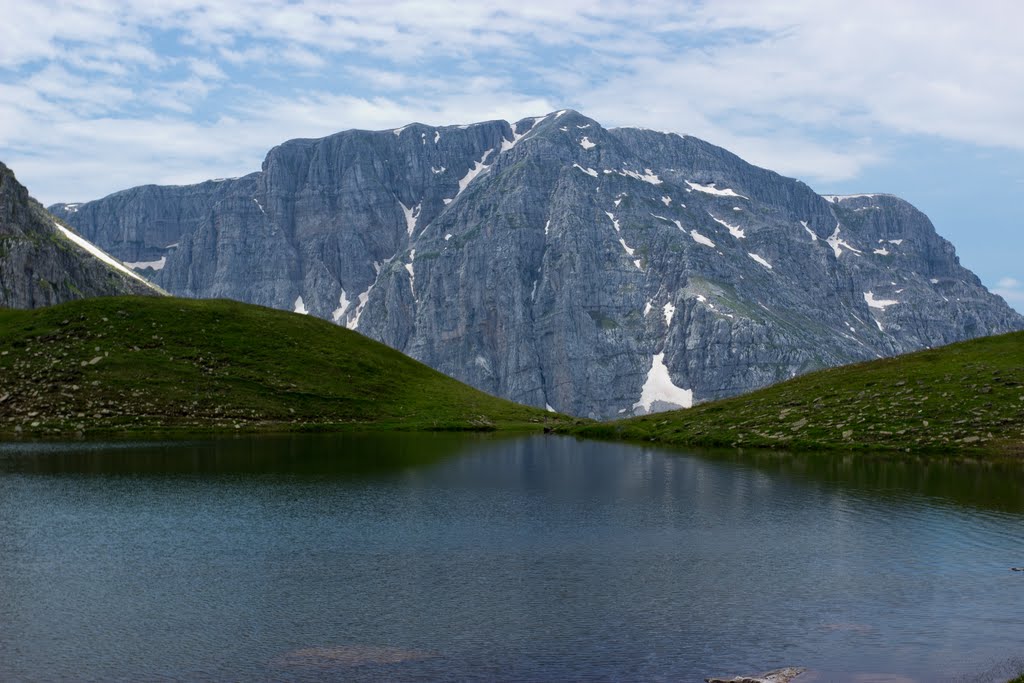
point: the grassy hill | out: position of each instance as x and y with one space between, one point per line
143 365
963 397
149 365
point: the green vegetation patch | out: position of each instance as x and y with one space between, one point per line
603 321
160 364
964 397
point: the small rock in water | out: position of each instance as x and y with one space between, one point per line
777 676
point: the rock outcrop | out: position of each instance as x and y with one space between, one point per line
42 263
777 676
600 272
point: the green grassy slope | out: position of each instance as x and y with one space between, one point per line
963 397
145 365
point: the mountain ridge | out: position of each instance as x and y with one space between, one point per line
43 263
603 272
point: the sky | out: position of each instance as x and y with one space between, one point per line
919 98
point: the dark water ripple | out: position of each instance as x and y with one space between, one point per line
453 558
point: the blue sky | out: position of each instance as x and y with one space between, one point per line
919 98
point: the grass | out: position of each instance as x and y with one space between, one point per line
157 365
141 365
966 397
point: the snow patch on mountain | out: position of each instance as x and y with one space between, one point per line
477 168
343 304
142 265
881 304
659 388
410 268
411 213
701 239
711 189
734 230
838 245
507 144
648 176
353 322
615 222
101 255
836 198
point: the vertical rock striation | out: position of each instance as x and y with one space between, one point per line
601 272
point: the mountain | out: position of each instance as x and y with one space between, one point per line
551 261
149 364
962 397
42 263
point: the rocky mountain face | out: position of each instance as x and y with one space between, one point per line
42 264
600 272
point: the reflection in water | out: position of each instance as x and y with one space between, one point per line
991 484
426 557
327 455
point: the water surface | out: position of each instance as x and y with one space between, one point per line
427 557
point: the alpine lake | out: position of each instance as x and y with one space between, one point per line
422 557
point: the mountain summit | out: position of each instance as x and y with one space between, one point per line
599 272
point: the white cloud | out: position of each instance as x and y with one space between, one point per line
73 162
244 56
805 87
303 57
87 96
207 70
1012 290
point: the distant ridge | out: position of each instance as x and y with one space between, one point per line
551 261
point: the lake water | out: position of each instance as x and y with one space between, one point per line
440 557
